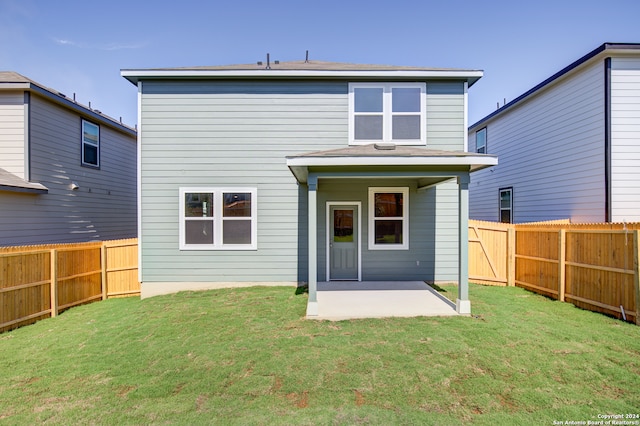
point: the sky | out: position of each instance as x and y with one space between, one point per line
80 46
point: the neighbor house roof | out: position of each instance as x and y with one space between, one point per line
604 49
303 69
10 80
384 154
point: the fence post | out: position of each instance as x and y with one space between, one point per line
103 266
636 274
562 255
53 292
511 256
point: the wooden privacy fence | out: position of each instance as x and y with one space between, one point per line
41 281
593 266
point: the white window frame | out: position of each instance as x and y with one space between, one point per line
83 142
484 147
405 218
387 113
218 218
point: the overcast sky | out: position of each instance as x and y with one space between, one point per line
80 47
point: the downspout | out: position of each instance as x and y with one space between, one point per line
607 139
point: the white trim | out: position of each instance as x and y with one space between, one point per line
466 117
394 161
358 204
404 190
387 113
139 179
218 219
134 75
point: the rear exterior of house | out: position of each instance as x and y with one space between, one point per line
568 148
300 172
67 172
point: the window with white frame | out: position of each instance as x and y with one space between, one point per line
389 218
481 141
387 112
218 218
506 205
90 144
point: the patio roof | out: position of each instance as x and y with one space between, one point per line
381 155
13 183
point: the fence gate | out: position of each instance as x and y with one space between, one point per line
491 261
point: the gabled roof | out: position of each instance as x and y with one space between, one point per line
10 80
303 70
602 50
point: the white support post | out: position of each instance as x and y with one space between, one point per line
312 304
463 304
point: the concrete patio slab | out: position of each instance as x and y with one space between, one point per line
340 300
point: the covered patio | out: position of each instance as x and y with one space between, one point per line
363 296
341 300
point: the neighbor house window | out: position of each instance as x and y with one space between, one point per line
388 218
218 218
387 112
481 141
90 144
506 205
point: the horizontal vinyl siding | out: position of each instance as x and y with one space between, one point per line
433 235
12 137
625 140
551 152
233 134
445 116
104 206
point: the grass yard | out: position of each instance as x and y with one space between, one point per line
247 356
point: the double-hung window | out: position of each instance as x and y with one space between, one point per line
90 144
387 112
506 205
389 218
218 218
481 141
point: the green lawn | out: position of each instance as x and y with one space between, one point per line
247 356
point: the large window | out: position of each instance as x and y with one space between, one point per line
388 218
218 218
387 112
90 144
481 141
506 205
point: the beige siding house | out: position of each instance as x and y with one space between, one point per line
67 172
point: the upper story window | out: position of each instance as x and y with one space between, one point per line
218 218
387 112
481 141
90 144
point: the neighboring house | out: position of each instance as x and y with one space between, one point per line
300 172
568 148
67 172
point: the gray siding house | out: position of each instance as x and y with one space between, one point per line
568 148
67 172
300 172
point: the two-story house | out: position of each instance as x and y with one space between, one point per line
67 172
569 148
300 172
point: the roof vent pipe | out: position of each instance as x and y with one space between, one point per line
306 58
268 64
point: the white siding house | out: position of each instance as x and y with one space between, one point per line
302 172
569 148
67 172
